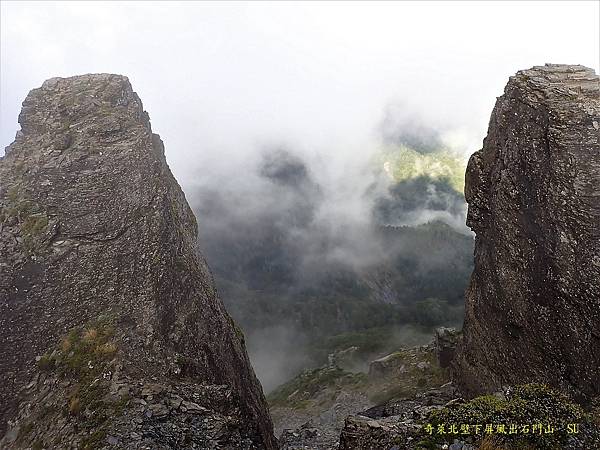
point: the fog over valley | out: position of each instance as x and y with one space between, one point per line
321 147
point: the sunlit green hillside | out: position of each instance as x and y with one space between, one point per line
402 163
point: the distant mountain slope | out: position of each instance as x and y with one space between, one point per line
286 265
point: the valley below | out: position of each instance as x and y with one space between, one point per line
286 308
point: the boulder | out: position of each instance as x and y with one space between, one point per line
446 340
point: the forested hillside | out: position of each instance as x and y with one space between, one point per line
292 268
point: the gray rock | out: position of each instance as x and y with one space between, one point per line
423 365
88 171
159 410
193 407
11 436
387 366
532 309
446 340
175 401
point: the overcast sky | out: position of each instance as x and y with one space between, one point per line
220 79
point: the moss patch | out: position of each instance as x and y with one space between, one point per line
533 409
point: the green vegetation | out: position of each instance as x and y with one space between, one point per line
371 342
388 394
33 225
31 221
84 352
404 163
433 311
421 372
532 408
32 229
298 392
427 279
24 431
17 206
13 194
404 374
238 331
84 355
46 363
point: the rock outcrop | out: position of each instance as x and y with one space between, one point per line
324 407
533 305
396 425
111 332
446 340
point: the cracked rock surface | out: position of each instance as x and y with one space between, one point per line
93 224
533 304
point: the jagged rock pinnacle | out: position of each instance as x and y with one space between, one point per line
102 284
533 305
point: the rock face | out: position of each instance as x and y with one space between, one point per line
533 305
446 340
102 284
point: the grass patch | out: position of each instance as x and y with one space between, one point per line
31 220
34 225
32 228
83 352
94 441
83 355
